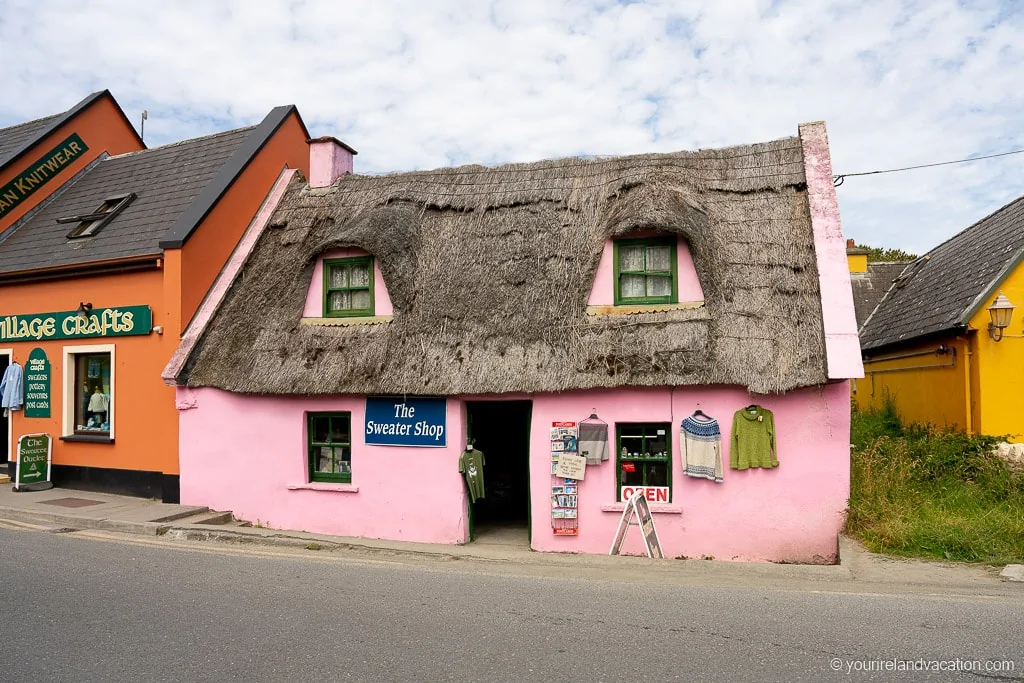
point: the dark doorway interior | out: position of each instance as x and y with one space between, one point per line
501 429
5 422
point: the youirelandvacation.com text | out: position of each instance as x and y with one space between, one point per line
850 666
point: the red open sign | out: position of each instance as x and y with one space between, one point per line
628 467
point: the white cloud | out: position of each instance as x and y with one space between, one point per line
414 84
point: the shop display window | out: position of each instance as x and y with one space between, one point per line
330 447
348 287
93 415
643 455
645 271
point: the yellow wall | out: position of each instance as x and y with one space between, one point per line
858 262
1001 364
926 386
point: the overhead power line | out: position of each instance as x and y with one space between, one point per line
837 180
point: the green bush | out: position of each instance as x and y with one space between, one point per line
921 491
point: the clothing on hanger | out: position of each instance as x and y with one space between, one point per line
593 439
471 465
753 439
702 447
12 388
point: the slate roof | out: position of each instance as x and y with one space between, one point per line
176 185
166 180
943 289
870 287
17 140
14 139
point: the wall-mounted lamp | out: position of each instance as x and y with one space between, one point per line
1001 311
84 310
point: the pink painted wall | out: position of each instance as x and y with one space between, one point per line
603 291
241 453
314 307
842 343
790 513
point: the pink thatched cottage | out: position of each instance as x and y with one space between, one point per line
409 356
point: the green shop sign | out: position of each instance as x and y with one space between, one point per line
37 384
45 169
100 322
33 461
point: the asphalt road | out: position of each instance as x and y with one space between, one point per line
94 607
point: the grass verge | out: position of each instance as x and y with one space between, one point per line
917 491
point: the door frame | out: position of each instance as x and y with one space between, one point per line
529 458
9 352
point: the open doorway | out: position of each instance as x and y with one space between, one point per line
5 422
501 430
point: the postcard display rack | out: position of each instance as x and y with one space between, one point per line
564 492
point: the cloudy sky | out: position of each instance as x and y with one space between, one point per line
415 84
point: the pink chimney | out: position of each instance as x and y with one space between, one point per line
329 159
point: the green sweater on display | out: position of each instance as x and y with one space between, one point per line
753 439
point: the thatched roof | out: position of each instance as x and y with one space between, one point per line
489 271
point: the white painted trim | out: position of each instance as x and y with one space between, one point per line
10 421
324 486
70 390
655 509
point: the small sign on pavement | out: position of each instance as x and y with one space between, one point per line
34 458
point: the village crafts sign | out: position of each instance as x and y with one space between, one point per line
45 169
101 322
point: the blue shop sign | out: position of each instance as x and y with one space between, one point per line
397 421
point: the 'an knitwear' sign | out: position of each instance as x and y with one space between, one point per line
42 171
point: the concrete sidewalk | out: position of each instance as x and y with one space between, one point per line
68 510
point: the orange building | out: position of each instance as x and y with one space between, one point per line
98 281
39 156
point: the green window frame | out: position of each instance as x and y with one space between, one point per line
647 452
329 436
344 295
651 275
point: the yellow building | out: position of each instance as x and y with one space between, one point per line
942 344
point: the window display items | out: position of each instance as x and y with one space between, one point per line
753 439
643 460
93 408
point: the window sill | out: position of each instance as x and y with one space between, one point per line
324 486
87 439
655 509
643 308
344 322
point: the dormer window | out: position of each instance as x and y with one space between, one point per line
92 223
348 287
645 271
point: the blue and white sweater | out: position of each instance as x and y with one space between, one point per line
12 391
702 448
